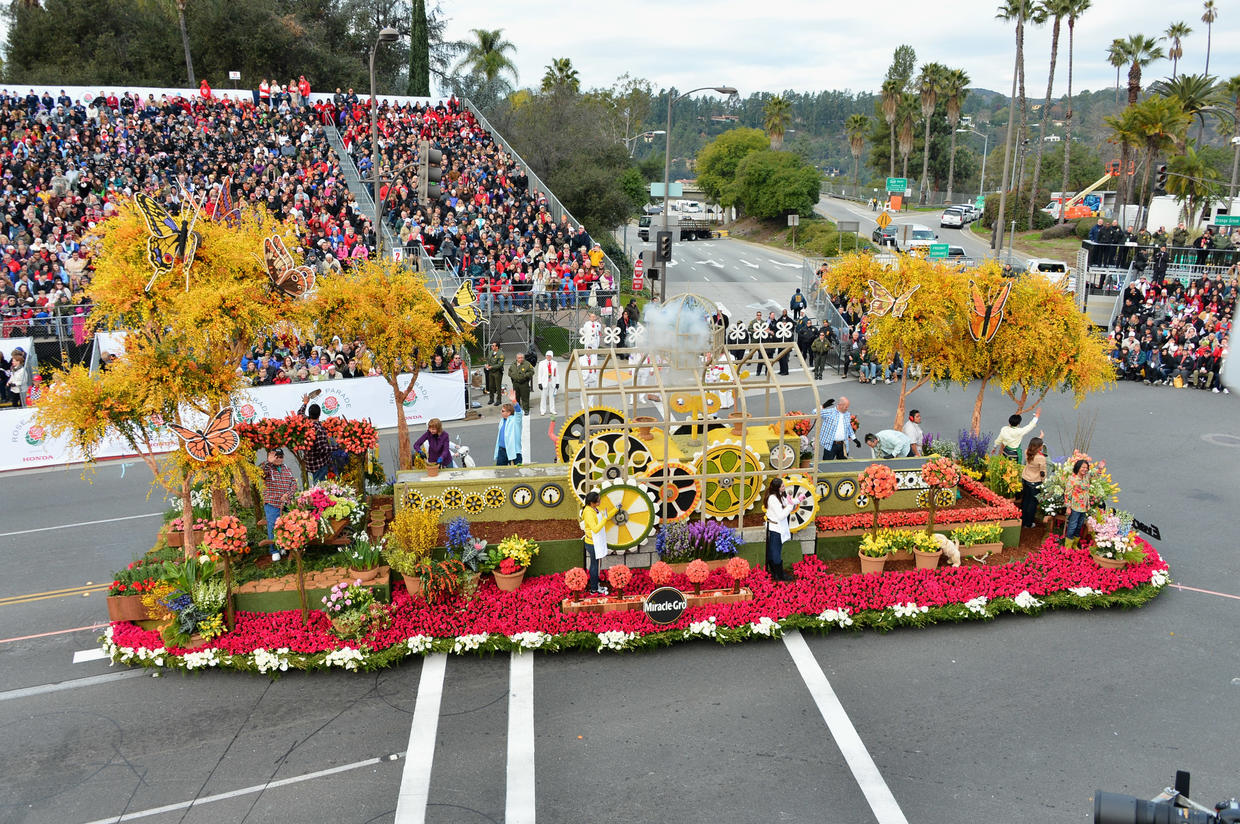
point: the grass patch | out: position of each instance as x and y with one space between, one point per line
815 237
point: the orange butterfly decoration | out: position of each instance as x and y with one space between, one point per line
986 317
294 281
219 438
884 302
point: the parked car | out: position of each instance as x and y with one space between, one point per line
954 217
919 235
1056 271
889 233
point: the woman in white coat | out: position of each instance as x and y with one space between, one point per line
778 508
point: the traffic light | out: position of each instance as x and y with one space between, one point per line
663 247
1160 179
430 171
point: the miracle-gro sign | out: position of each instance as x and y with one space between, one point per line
665 605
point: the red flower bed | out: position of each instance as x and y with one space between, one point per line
999 509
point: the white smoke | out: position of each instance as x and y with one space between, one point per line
678 331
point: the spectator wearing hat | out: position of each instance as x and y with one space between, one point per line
279 486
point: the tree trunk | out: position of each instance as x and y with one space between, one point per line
1046 108
930 496
189 61
230 614
301 586
219 502
419 52
951 164
1209 40
1067 140
925 162
904 170
891 157
404 450
1022 133
244 490
1145 187
975 423
187 516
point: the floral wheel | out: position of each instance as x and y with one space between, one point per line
607 456
675 489
414 499
475 502
862 501
732 481
635 514
433 503
923 499
804 514
495 496
783 456
944 497
453 498
574 428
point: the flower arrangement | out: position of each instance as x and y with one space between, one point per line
876 544
410 538
576 580
932 444
363 555
974 534
354 437
661 573
738 570
685 541
441 580
471 551
1113 536
855 422
176 524
800 423
878 482
330 501
520 551
973 448
619 576
996 509
353 610
697 572
940 472
294 529
346 596
194 612
296 432
1003 475
226 536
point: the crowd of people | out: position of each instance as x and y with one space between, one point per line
1110 245
286 359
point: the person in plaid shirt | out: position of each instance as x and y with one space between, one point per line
279 486
315 459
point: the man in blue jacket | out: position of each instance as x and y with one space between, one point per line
836 430
508 438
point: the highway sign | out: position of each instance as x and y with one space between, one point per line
938 251
849 225
1227 220
883 220
674 190
897 184
980 202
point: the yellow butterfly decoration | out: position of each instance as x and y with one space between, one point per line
883 301
173 241
461 312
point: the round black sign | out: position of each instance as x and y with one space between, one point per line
665 605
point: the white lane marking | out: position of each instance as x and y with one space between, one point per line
415 779
60 686
712 262
747 263
782 263
864 770
254 788
519 802
81 523
83 655
526 450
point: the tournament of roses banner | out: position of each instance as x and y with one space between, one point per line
25 445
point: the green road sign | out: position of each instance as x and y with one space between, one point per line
980 202
673 190
897 184
938 251
1227 220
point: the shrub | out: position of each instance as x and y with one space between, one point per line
1017 209
410 539
1059 230
1084 225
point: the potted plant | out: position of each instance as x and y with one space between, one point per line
938 472
979 539
293 531
1003 476
697 572
409 543
226 536
738 570
878 482
470 551
353 610
619 576
441 580
363 558
1113 546
926 551
874 550
510 559
710 541
335 506
176 531
576 580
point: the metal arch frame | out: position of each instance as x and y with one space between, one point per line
628 366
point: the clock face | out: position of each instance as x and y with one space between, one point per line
522 496
551 495
845 490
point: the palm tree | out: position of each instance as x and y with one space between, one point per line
929 86
775 118
1075 9
955 89
906 117
560 74
1022 12
856 127
1139 51
891 94
1161 123
1209 13
1058 9
1115 56
1198 96
487 56
1231 92
189 61
1124 131
1176 33
1192 181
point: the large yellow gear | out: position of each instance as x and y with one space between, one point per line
574 428
675 489
803 515
633 514
610 455
732 482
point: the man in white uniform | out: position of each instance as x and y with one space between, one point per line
548 382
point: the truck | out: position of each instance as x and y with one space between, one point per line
681 227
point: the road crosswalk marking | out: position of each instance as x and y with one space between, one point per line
415 779
519 800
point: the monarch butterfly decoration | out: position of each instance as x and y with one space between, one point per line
173 241
223 209
286 277
883 301
986 317
218 438
461 312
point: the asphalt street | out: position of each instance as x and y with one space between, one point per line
1015 720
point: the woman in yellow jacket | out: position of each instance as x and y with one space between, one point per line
594 521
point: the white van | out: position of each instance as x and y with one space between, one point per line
918 235
1056 271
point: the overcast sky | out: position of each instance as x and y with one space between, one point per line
809 45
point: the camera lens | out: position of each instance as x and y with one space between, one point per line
1112 808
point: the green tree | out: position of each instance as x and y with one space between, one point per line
1231 93
419 51
770 184
1057 10
1191 180
892 92
1139 51
1161 123
718 160
855 128
1209 13
560 74
1022 13
955 90
1199 95
775 120
906 119
1075 9
487 56
1115 56
1176 33
929 87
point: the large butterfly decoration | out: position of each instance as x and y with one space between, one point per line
294 281
462 311
223 209
986 317
219 438
173 240
883 302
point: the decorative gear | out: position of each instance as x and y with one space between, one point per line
804 514
495 496
845 489
433 503
522 496
862 501
452 497
923 499
551 495
732 481
414 499
944 497
474 502
634 514
608 456
574 428
675 489
783 456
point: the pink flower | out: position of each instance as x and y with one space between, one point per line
697 571
660 573
576 579
737 568
619 576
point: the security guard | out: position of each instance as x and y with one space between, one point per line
493 368
521 374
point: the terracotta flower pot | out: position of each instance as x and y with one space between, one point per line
927 560
509 583
126 608
1109 563
738 421
432 470
364 575
414 584
869 564
643 423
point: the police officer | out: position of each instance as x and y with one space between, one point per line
493 368
521 373
820 347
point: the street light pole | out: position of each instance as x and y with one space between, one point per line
386 35
981 185
631 142
667 166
